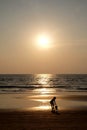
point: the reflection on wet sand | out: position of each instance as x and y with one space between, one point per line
42 100
44 90
44 104
43 107
39 97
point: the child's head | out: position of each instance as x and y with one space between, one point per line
54 98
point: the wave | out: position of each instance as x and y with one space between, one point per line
20 89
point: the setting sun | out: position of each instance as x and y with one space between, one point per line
44 41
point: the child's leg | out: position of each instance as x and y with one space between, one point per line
56 108
52 106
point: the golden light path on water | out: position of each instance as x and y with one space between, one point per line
43 79
44 94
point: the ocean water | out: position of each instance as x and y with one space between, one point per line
17 83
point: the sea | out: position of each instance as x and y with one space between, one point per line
34 91
17 83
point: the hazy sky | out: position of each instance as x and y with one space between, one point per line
64 21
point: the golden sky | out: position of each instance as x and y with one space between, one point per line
43 36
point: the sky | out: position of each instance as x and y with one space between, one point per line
63 21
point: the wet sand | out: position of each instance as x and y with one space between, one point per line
43 120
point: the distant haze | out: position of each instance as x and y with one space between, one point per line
64 21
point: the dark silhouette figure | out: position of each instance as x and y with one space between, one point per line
53 103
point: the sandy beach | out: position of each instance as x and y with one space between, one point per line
32 111
43 120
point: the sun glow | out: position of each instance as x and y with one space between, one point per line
44 41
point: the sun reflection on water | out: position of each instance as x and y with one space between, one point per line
43 79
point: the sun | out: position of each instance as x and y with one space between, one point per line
43 41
